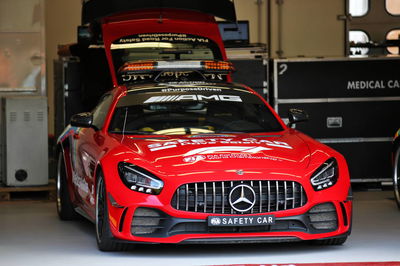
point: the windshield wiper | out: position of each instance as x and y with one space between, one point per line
230 132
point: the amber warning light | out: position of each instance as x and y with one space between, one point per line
150 66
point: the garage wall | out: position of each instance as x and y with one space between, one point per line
61 19
254 11
298 28
307 28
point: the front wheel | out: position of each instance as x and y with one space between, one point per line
396 177
104 237
65 207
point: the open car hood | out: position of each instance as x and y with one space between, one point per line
96 9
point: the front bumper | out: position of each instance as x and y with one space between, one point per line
151 225
176 225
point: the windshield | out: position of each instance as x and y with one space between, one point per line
186 111
163 46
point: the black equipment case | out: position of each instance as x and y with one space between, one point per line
353 105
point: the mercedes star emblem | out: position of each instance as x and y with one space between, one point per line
239 172
242 198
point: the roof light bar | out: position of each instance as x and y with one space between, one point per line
196 65
206 66
138 66
218 65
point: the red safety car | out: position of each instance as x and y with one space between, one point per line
185 157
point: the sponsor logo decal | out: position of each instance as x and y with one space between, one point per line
189 89
193 159
222 152
215 221
162 37
209 136
210 150
193 97
211 141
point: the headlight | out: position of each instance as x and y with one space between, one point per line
326 175
139 179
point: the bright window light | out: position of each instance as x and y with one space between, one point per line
393 7
393 35
358 36
358 8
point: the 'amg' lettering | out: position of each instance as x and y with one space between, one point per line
193 97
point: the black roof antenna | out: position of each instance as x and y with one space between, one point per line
161 10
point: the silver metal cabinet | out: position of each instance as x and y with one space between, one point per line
24 141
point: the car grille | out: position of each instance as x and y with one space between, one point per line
213 197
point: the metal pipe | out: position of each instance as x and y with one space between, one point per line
259 17
279 52
269 23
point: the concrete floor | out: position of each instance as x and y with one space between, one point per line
31 234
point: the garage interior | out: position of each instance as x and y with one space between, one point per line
336 59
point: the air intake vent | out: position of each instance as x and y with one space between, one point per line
27 116
323 217
213 197
146 221
13 116
40 116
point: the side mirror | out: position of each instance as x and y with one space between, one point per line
82 120
296 116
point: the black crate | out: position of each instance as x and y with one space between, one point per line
352 103
348 119
366 160
253 73
68 92
346 78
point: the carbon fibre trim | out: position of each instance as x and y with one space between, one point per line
247 240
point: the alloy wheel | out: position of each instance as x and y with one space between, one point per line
100 208
59 164
396 177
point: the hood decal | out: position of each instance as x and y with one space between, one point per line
212 141
183 154
217 149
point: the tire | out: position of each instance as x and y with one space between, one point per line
330 242
396 176
65 207
104 237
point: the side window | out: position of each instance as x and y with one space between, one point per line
101 110
358 8
393 7
357 37
393 35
